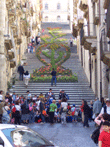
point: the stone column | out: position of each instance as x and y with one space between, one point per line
3 81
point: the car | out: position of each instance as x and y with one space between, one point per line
21 136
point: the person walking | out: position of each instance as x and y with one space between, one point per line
96 108
52 109
17 113
26 77
53 73
21 72
86 114
71 42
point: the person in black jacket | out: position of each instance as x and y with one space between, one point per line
87 112
21 72
53 73
25 112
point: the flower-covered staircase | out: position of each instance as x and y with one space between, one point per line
76 90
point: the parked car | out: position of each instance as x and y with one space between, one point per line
21 136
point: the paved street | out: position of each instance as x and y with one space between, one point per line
69 135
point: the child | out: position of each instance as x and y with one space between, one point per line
74 116
104 137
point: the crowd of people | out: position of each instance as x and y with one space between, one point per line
15 109
43 108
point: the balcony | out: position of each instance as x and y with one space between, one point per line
86 15
105 58
13 26
12 19
83 5
90 43
108 33
75 31
96 20
80 23
27 33
12 63
68 17
19 41
31 11
94 1
8 44
11 54
106 4
9 4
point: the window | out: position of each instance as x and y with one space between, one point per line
46 6
58 6
46 18
58 18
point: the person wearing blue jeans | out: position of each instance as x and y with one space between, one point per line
53 73
21 72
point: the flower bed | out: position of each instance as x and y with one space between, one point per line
54 29
58 53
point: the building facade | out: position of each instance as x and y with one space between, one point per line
55 10
18 19
92 30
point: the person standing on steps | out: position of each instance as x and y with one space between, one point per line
71 42
53 73
21 72
26 77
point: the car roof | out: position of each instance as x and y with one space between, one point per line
6 126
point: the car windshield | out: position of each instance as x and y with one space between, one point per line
25 138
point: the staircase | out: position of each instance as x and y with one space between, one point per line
76 91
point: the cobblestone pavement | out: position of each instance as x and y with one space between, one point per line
69 135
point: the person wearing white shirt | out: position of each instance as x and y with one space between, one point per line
26 77
64 105
107 107
17 113
1 96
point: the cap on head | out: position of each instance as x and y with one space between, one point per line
107 99
73 105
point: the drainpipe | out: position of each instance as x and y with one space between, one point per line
100 60
89 53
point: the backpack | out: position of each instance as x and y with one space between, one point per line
95 134
14 109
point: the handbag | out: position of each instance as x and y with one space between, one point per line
64 109
95 134
44 112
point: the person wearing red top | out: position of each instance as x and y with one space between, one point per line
104 137
82 110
